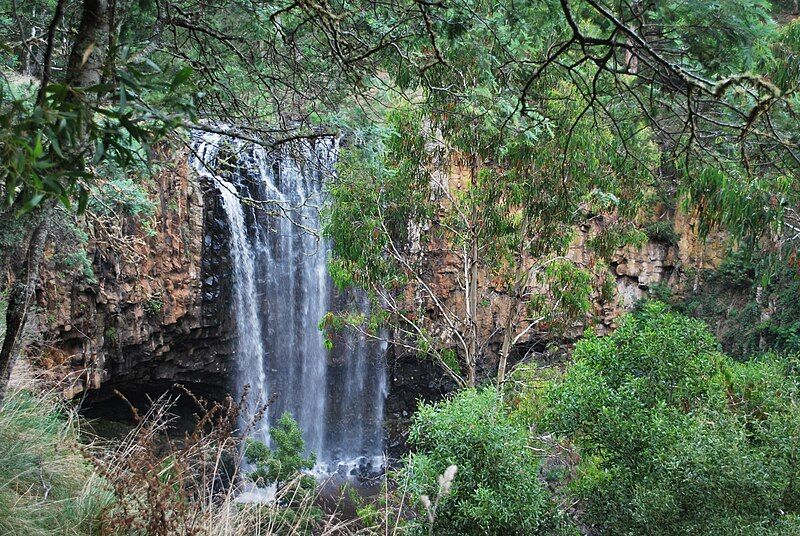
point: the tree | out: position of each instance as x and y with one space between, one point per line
509 219
507 140
491 82
672 434
495 489
285 460
284 464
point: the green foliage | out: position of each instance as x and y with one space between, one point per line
79 260
722 36
753 208
46 485
662 231
111 335
153 306
52 149
495 490
786 48
751 305
377 193
570 287
285 459
502 211
71 257
673 434
525 391
122 197
283 464
660 292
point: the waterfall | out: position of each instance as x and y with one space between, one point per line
281 291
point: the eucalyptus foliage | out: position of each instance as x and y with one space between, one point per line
673 436
53 149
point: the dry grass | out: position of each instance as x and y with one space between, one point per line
189 486
55 481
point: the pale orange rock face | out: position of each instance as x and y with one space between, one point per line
633 269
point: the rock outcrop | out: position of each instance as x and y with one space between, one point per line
156 312
159 310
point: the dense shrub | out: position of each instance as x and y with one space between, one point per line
122 196
495 489
675 437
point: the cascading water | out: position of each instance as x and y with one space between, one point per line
282 290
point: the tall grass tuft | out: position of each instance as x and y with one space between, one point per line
46 485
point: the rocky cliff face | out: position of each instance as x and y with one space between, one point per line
632 272
667 259
157 312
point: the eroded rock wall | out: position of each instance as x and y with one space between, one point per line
157 312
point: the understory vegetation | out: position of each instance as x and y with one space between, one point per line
749 313
650 430
56 477
46 485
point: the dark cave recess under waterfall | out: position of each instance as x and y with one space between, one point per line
281 290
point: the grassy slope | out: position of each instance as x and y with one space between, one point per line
46 486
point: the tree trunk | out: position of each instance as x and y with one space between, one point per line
473 309
85 68
521 277
26 274
472 292
509 328
47 62
88 54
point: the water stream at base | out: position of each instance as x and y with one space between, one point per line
281 291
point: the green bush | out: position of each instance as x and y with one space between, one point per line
285 460
122 196
496 489
662 231
294 511
153 307
675 437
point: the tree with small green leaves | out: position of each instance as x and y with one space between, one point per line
285 459
59 134
494 488
672 436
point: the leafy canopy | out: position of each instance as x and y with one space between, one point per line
673 434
